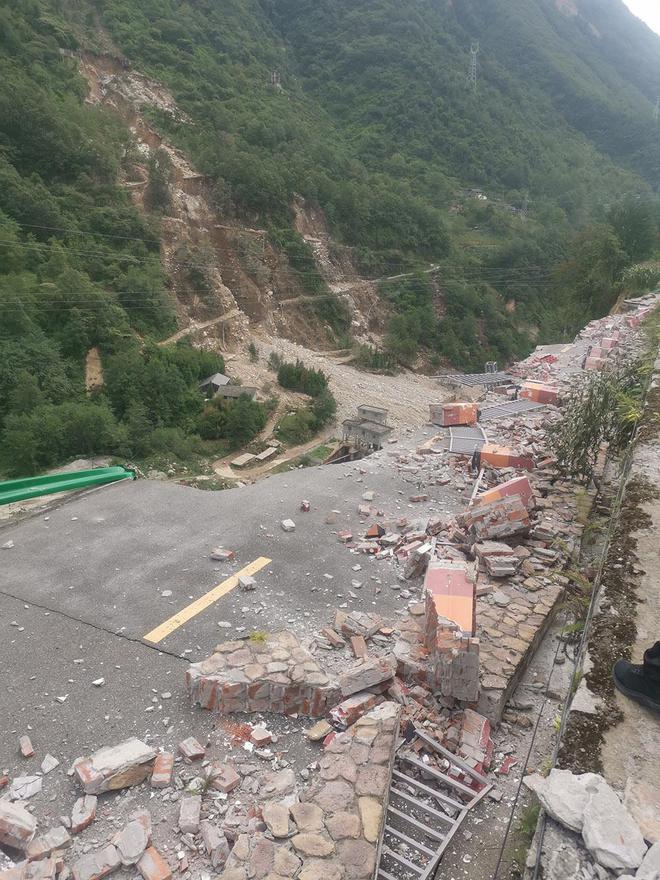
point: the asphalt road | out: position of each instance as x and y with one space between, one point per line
86 581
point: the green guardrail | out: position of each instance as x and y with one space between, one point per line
32 487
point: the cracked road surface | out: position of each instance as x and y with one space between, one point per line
87 580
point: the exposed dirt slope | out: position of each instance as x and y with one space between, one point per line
218 267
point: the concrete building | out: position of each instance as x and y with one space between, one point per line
369 429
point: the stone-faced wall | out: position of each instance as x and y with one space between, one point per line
270 675
333 832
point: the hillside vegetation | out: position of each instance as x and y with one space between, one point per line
374 122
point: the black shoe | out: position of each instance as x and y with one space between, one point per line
641 683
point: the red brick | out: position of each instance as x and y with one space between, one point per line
359 646
162 772
192 749
540 392
449 414
153 866
25 746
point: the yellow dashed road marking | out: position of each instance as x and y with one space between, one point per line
190 611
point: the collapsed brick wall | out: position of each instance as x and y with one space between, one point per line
273 675
450 626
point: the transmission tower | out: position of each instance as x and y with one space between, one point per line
472 75
524 208
656 110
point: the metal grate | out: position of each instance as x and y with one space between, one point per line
463 440
511 408
499 378
425 809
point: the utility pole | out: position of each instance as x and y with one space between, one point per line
656 110
472 75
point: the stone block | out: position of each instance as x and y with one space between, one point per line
17 826
95 865
41 847
133 840
215 843
189 814
365 675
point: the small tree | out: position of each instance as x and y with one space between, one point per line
157 195
604 408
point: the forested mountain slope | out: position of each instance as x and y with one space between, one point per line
374 122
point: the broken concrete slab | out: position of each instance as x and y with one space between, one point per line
114 767
609 832
17 826
23 787
565 795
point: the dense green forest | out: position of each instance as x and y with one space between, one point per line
375 122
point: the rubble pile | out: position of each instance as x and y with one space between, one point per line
272 673
604 836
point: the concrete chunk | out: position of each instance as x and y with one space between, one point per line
131 842
610 834
115 767
215 842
